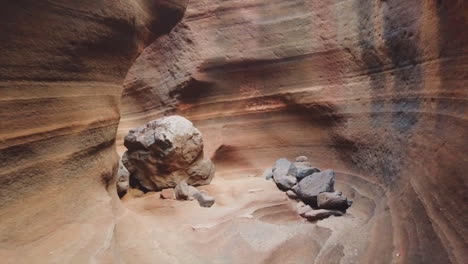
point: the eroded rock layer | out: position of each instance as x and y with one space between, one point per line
373 89
62 64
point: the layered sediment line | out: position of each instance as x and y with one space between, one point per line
61 71
376 90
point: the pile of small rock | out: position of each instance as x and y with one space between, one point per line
314 188
183 191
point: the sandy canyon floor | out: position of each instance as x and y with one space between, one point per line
251 222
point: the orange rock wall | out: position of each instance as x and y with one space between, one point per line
62 64
373 89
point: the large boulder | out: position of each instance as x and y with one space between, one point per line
311 186
303 163
164 152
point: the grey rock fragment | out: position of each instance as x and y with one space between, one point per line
301 159
333 200
291 195
284 174
311 186
320 214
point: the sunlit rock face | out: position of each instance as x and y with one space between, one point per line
375 90
62 64
165 152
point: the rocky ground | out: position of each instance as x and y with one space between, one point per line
252 221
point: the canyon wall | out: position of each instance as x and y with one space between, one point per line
373 89
62 64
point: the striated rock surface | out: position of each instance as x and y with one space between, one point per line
62 64
374 89
164 152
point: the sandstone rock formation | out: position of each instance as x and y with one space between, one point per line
164 152
62 64
375 90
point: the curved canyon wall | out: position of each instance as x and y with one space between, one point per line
373 89
62 64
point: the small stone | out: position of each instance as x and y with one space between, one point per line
301 159
320 214
255 190
312 185
135 192
304 171
305 164
300 204
165 151
291 195
304 209
286 182
122 180
268 174
168 194
333 200
192 192
283 167
204 199
122 188
182 191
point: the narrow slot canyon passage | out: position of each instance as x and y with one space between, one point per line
374 90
